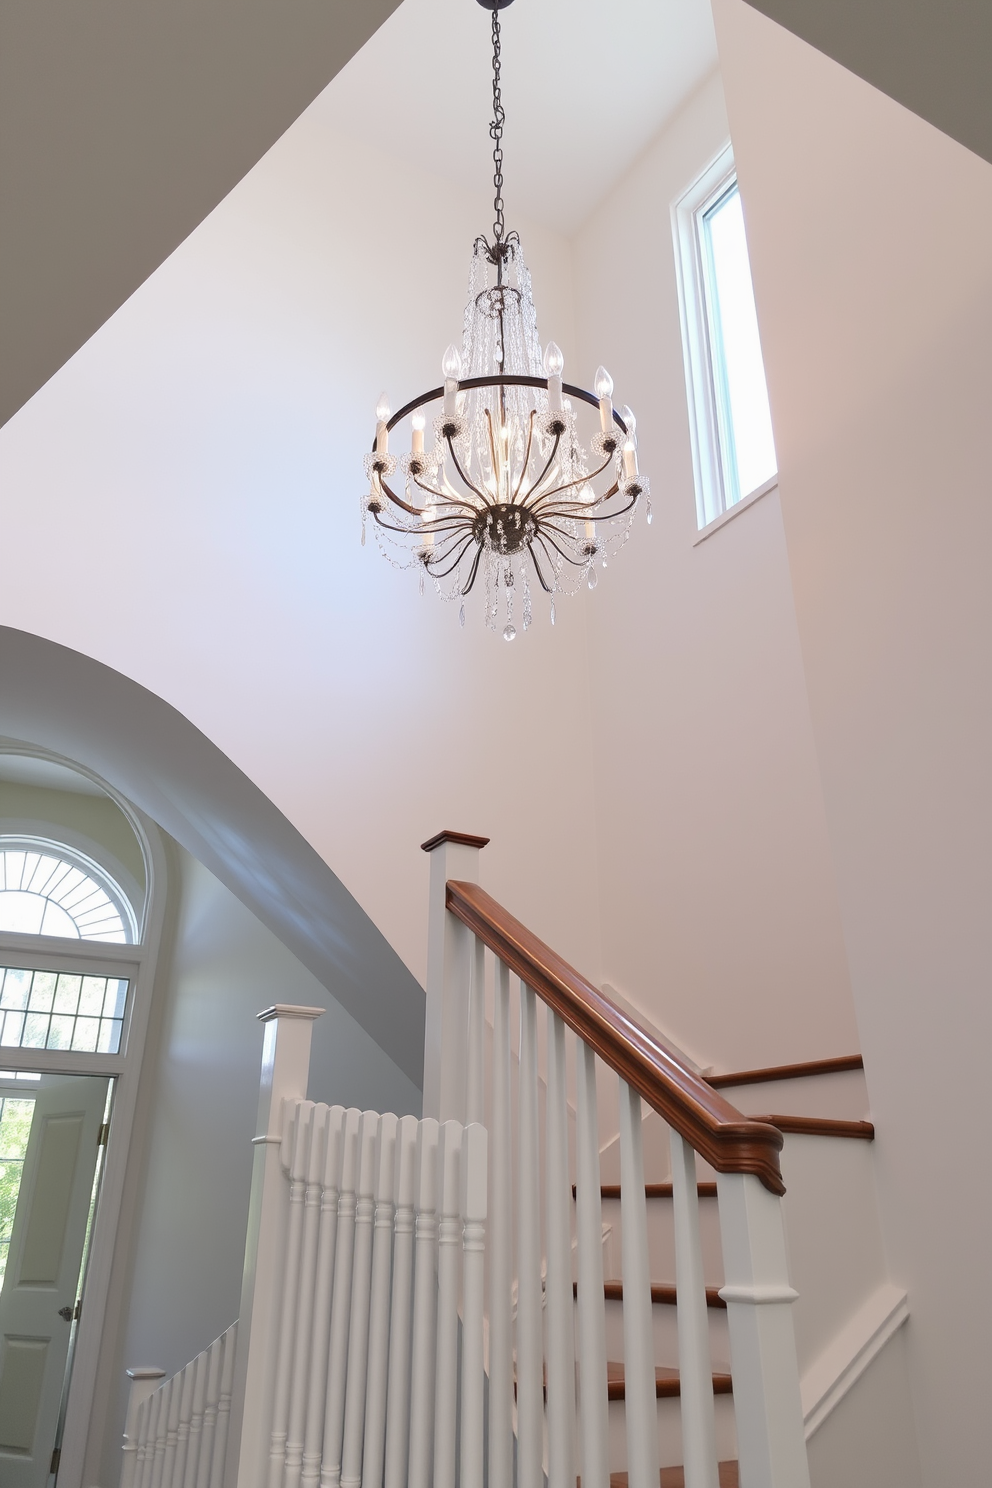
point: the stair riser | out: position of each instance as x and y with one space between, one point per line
670 1432
666 1340
661 1240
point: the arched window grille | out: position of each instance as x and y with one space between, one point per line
47 888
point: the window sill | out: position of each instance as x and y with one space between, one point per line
735 510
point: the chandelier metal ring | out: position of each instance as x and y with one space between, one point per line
499 379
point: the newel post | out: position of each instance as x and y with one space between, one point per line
144 1382
285 1071
453 855
771 1444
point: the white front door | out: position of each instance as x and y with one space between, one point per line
39 1289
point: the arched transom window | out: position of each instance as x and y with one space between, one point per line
45 889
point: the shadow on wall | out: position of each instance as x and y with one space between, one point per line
81 709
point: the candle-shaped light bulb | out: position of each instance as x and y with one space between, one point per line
604 392
419 423
627 414
429 514
554 363
451 366
382 412
629 460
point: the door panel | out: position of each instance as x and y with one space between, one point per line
46 1247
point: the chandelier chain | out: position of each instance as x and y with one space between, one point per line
496 132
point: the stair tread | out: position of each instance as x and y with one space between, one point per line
820 1126
654 1190
812 1067
667 1382
661 1292
674 1477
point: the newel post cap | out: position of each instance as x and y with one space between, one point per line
441 838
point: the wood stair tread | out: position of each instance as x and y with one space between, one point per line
654 1190
661 1292
812 1067
667 1382
674 1477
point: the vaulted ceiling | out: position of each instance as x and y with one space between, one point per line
124 122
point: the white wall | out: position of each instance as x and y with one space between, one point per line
718 910
203 454
200 1077
871 241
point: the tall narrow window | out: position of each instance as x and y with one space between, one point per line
730 421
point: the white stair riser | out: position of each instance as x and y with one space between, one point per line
670 1432
661 1240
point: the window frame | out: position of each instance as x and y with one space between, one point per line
714 503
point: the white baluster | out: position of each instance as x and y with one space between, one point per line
140 1443
296 1149
306 1286
162 1434
200 1365
640 1408
151 1437
373 1459
594 1416
313 1435
695 1366
401 1307
228 1373
558 1284
771 1446
448 951
449 1247
475 1094
172 1434
530 1382
215 1360
337 1364
285 1069
473 1207
144 1382
361 1282
424 1310
501 1248
188 1377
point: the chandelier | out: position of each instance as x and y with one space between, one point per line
507 487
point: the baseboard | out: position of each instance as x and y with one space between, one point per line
847 1356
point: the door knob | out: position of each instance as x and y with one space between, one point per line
66 1313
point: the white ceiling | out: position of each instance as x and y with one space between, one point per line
586 85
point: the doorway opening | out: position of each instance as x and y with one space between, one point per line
53 1132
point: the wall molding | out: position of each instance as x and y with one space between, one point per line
847 1356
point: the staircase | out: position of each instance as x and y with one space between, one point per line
465 1300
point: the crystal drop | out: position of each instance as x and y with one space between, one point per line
552 612
461 617
593 578
650 514
509 633
603 562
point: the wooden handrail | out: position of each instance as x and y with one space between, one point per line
728 1141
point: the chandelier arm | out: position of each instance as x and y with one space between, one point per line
442 499
523 468
537 570
442 573
457 464
492 446
414 511
573 561
590 513
473 572
556 490
543 475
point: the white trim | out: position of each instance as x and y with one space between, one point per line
847 1356
734 511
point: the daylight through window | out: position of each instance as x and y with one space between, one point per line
733 446
44 892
